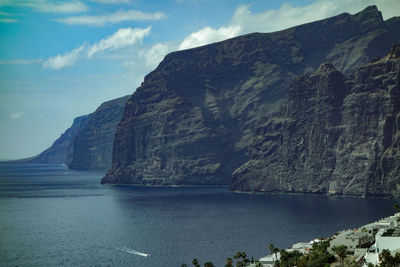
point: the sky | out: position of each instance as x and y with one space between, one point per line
62 59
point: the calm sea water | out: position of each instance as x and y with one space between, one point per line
52 216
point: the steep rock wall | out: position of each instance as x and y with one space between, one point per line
93 144
336 135
191 121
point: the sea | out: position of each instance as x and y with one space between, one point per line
53 216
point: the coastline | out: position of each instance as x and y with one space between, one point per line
362 246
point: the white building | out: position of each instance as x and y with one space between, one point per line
388 239
352 240
301 247
268 261
385 223
385 239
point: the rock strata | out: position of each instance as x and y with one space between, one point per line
93 144
192 121
337 135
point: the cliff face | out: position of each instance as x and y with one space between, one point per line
61 151
87 144
92 147
336 135
192 120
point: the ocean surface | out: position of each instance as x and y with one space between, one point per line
52 216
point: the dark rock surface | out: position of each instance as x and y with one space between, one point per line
93 144
61 151
336 135
192 120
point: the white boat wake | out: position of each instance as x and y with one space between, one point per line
135 252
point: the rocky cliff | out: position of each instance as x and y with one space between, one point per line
192 120
92 147
336 135
87 144
61 151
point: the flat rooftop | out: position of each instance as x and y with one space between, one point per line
392 232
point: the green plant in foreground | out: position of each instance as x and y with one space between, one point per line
318 257
195 263
341 251
229 262
387 260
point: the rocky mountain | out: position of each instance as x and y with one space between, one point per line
192 121
336 135
93 144
87 144
61 151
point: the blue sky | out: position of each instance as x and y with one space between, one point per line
62 59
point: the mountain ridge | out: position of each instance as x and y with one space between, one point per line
191 120
87 144
61 151
215 114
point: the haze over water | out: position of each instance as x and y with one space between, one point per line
52 216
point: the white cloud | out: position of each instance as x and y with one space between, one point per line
60 7
128 64
389 8
243 21
284 17
21 61
65 60
48 6
113 18
2 13
8 20
122 38
17 115
209 35
153 56
110 1
288 15
192 2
